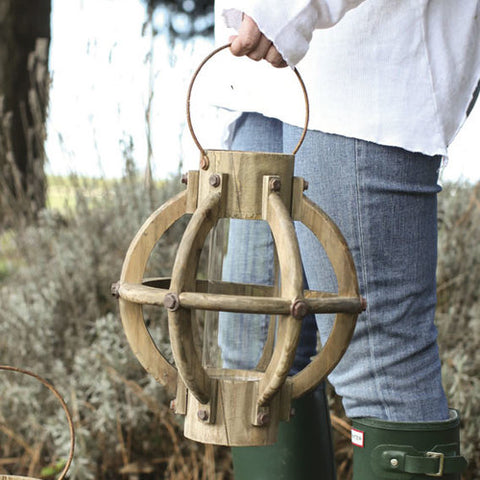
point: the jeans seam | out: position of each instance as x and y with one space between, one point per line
364 265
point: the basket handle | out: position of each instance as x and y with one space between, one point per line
64 406
189 94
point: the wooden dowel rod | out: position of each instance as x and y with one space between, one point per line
337 304
235 303
135 293
146 295
266 305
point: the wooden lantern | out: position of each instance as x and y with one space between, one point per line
237 407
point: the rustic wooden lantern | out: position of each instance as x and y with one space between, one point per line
237 407
57 395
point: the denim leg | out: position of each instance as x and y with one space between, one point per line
249 259
384 201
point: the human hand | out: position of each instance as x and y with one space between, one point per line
251 42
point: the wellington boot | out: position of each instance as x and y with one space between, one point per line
385 450
303 451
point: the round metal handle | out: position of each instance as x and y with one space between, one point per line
65 408
189 94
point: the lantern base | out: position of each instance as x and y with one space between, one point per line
232 417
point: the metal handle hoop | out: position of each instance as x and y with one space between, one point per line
189 94
64 406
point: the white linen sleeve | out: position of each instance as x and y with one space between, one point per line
289 24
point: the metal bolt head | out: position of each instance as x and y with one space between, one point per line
171 302
305 185
363 301
299 309
214 180
394 462
263 418
275 184
202 415
115 289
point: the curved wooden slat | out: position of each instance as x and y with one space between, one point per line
341 259
289 327
133 269
183 279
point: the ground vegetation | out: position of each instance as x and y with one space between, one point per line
59 319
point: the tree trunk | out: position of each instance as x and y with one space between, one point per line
24 79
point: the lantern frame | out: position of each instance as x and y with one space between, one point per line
237 407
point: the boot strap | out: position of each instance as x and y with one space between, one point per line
441 460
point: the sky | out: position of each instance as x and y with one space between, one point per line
103 79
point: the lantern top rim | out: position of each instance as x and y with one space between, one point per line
249 152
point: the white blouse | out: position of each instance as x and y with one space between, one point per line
394 72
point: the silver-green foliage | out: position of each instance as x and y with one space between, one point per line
58 319
458 313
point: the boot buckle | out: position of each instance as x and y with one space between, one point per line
441 463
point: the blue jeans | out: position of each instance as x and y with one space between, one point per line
384 201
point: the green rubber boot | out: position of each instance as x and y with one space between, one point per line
303 451
405 451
